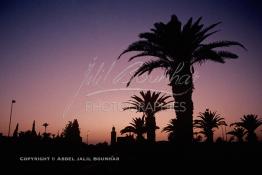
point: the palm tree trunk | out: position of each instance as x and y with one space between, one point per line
251 137
151 128
210 137
182 88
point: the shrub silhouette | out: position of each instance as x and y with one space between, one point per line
71 133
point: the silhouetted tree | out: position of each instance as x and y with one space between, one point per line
149 104
238 132
71 132
207 122
250 122
137 127
176 48
33 131
45 125
15 134
171 130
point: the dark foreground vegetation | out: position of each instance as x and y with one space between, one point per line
129 158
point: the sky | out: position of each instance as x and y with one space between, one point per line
58 61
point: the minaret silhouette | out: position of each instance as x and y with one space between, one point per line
113 136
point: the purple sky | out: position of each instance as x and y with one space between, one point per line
47 46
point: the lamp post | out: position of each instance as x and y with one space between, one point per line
87 137
13 101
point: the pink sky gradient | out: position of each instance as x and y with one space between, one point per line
46 51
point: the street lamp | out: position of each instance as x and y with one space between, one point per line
13 101
87 137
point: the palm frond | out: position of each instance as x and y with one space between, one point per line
147 67
173 43
225 43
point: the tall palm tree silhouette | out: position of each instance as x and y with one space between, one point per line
137 127
176 48
149 104
250 122
171 129
45 125
238 132
207 122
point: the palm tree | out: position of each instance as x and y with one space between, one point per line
238 132
137 127
45 125
171 129
250 122
208 121
176 49
149 104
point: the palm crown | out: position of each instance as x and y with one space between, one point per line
137 126
149 103
171 44
250 122
207 122
238 132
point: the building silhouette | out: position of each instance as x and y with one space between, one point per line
113 136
